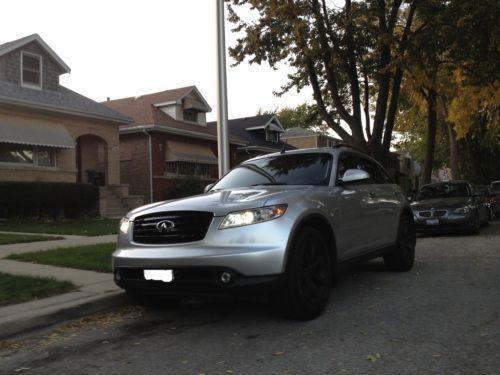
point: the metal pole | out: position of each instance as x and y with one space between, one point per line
222 122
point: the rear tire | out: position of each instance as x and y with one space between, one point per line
403 256
308 276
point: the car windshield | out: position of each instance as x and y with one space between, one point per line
443 191
292 169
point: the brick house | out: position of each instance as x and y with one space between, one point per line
262 135
48 132
167 141
306 138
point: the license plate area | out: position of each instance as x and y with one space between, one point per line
165 276
432 222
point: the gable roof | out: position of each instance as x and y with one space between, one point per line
15 44
146 115
62 100
245 128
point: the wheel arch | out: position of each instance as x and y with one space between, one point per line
317 221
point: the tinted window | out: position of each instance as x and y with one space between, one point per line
444 190
356 161
294 169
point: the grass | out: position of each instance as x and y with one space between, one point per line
8 238
95 227
17 289
92 257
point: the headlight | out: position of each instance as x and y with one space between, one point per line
462 210
253 216
124 225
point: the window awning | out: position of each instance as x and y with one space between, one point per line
178 151
34 132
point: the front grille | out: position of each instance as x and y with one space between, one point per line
425 214
439 213
171 227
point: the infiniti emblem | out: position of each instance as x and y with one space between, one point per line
165 226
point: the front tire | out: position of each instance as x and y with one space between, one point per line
308 276
403 256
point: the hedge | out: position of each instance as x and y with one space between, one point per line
187 187
53 200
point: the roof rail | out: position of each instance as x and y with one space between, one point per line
339 145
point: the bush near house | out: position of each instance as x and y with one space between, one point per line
52 200
187 187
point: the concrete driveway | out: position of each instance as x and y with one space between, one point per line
443 317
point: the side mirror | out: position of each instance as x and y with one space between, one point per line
354 175
208 187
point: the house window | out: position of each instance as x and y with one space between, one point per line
272 136
330 142
186 168
22 154
31 69
190 115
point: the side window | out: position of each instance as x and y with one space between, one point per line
377 174
350 161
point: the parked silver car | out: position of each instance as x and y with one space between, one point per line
279 225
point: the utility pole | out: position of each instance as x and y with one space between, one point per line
222 121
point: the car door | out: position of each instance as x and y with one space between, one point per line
388 200
357 209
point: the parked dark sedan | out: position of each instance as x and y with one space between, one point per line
451 205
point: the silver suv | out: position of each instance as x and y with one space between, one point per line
278 225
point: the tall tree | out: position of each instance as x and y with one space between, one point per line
351 56
302 116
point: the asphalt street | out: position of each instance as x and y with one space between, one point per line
443 317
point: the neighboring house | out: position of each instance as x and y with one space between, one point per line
307 138
48 132
261 134
168 140
408 171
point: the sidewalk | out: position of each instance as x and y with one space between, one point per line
95 291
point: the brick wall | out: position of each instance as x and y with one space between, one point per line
303 142
66 169
134 164
10 66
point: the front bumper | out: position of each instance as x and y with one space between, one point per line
254 255
197 281
445 223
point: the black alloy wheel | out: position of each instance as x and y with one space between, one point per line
309 276
403 256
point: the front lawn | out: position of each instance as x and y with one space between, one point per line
17 289
92 257
94 227
8 238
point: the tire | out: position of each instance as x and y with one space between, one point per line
308 276
153 300
475 225
403 256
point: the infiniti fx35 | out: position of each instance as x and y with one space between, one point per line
278 225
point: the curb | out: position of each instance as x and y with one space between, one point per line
38 318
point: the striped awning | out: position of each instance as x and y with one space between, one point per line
177 151
34 132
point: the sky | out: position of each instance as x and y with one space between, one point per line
129 48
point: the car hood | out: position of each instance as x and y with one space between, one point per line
441 203
221 202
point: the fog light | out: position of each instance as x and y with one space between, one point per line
225 277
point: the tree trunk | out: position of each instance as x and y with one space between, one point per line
431 136
452 136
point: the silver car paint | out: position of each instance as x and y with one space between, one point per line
359 221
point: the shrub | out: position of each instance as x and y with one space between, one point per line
186 187
48 199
